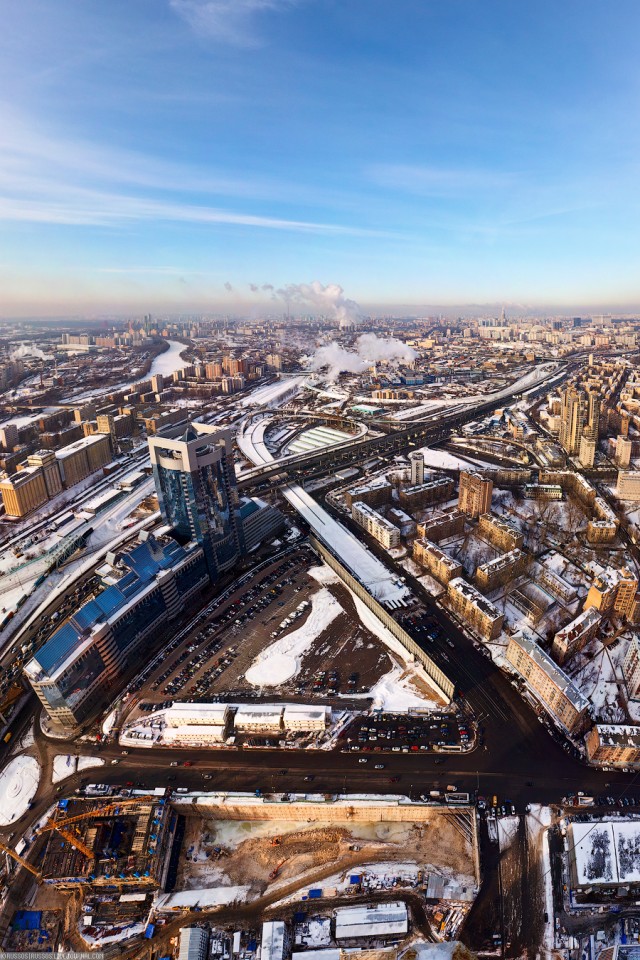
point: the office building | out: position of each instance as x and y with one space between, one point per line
260 521
416 460
196 486
478 613
613 744
554 690
438 563
474 497
576 635
143 588
375 524
24 492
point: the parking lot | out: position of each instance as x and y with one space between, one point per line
399 733
194 666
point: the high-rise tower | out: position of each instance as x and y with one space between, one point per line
196 486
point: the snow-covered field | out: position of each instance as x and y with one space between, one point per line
281 660
204 897
18 785
65 764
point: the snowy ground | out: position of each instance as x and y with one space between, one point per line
207 897
65 764
18 785
281 660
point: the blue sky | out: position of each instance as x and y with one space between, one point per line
417 152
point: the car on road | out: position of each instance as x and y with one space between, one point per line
363 760
379 766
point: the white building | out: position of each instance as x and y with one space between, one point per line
194 942
190 714
274 940
628 485
372 920
375 524
297 716
259 718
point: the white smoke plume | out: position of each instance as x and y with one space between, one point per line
368 349
329 298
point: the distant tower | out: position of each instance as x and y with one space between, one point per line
417 468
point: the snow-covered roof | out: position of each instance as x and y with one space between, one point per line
606 853
371 920
273 936
182 712
552 670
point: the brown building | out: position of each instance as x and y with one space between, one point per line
375 494
576 635
82 458
614 591
553 689
438 563
24 492
441 525
47 461
613 743
500 533
423 494
475 493
477 612
494 573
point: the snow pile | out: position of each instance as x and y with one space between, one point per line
281 660
324 575
393 693
507 831
204 897
109 722
18 785
65 765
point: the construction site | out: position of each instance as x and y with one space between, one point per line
240 849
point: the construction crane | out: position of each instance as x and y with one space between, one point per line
102 811
23 863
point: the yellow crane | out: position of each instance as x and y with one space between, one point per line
23 863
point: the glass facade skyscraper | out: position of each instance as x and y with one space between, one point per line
196 486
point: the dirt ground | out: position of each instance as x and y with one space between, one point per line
222 853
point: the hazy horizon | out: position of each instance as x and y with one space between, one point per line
184 155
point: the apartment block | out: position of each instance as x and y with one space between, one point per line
375 493
46 460
631 668
478 613
500 532
438 563
441 525
614 591
424 494
82 458
554 690
603 526
628 485
623 452
613 743
375 524
576 635
494 573
474 497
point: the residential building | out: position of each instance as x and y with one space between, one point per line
613 744
542 491
415 498
478 613
628 485
494 573
573 416
587 453
603 527
474 497
624 448
375 493
80 459
500 532
441 525
572 638
550 685
9 436
197 492
438 563
416 459
614 591
631 668
377 525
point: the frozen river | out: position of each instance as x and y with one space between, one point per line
166 363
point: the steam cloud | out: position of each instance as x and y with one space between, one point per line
368 349
228 286
330 299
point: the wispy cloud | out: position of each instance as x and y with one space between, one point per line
228 21
438 181
49 179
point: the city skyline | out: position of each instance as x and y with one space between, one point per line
190 155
